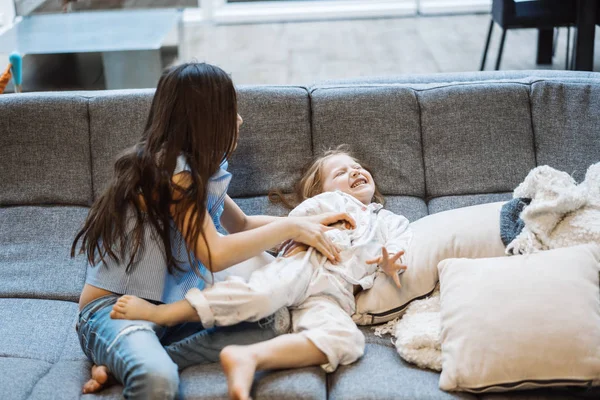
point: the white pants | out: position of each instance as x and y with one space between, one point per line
320 302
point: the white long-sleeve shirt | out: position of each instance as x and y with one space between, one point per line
375 228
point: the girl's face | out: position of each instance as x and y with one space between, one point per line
342 172
240 121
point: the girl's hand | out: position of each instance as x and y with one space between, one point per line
311 232
331 218
389 265
291 248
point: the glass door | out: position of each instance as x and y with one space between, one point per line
31 7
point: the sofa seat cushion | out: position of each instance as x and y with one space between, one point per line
446 203
35 245
381 374
207 382
39 329
19 376
64 381
26 379
413 208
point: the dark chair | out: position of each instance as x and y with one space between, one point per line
542 14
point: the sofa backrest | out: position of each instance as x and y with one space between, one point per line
432 146
421 140
465 137
44 149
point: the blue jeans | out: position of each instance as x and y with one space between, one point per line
145 357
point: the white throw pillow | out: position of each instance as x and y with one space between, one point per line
521 322
472 232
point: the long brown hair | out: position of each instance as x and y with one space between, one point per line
194 114
311 181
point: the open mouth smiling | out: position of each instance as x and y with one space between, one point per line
359 182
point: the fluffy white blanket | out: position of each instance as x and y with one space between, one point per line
417 333
561 214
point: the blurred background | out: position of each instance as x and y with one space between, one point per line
98 44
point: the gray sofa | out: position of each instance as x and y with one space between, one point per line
434 142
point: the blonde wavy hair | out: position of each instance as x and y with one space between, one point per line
311 182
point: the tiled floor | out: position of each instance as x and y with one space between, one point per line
308 51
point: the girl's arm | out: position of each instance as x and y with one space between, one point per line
229 250
234 220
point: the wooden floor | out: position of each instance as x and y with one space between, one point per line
305 52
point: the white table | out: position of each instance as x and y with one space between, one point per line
129 41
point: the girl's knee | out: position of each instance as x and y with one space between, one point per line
154 381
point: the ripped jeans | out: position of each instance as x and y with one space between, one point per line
145 357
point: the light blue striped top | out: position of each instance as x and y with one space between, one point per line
149 277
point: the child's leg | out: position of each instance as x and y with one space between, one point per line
201 346
134 308
326 336
282 283
330 329
286 351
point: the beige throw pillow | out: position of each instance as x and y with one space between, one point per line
472 232
521 322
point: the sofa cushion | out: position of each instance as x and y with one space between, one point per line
412 208
275 140
547 394
276 124
381 124
117 120
19 376
35 245
446 203
45 149
29 379
208 382
64 381
566 123
260 205
380 374
39 329
472 232
469 132
511 323
298 384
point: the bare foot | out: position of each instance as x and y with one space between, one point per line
239 365
134 308
101 378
